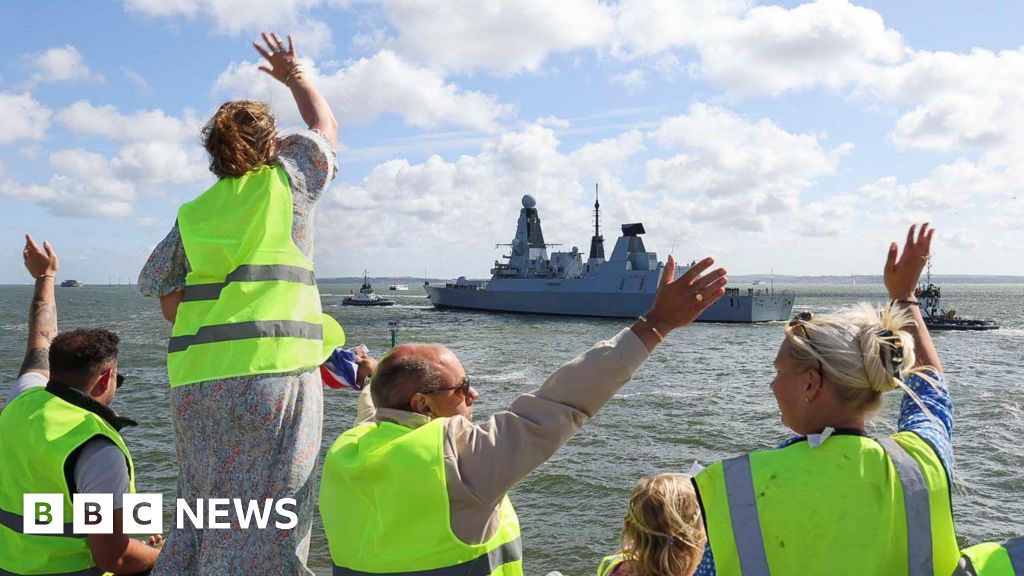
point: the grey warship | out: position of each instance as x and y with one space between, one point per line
623 286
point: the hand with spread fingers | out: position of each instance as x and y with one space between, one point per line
40 261
284 63
681 300
902 273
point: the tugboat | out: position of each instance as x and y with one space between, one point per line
399 287
929 297
532 281
366 297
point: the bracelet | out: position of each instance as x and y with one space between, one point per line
907 301
653 329
46 276
295 72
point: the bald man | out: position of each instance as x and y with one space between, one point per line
417 486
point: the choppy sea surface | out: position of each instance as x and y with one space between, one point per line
702 396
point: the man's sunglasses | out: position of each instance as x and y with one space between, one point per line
120 379
462 387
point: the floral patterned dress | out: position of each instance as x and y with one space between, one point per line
254 437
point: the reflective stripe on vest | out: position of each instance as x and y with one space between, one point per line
245 330
917 507
480 566
385 508
39 432
250 273
746 524
16 523
86 572
251 304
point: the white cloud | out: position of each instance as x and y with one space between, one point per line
155 148
82 187
60 64
652 27
137 79
960 239
154 151
957 100
731 169
22 118
237 17
85 118
471 201
950 187
555 122
503 36
825 44
371 87
633 81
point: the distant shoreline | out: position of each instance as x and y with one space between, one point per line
763 279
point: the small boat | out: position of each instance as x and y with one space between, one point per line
399 287
366 296
71 284
929 297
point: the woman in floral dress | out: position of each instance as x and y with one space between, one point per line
252 437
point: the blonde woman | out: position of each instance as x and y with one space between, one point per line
235 276
662 533
835 500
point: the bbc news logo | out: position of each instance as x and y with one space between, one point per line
143 514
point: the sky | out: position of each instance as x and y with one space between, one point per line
794 138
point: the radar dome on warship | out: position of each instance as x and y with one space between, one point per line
532 281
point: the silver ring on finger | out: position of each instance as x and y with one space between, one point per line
699 297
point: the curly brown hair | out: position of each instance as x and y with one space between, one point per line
239 137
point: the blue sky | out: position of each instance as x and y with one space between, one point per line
794 137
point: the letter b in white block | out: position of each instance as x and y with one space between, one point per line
143 514
93 513
42 513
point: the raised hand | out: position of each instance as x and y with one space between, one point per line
903 272
284 63
40 261
680 301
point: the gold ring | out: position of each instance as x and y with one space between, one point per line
699 297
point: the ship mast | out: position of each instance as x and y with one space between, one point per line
597 241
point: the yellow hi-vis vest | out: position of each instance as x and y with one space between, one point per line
991 559
251 305
609 563
852 505
384 503
38 433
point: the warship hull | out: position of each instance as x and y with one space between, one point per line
566 299
534 281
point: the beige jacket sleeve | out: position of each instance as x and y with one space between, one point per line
484 461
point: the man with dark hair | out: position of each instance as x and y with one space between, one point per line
418 487
59 435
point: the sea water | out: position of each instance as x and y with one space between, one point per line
702 396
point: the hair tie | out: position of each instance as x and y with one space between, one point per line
890 351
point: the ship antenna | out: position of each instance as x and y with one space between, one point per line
597 212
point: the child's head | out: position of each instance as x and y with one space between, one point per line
663 533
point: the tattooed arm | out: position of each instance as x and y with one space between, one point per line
42 264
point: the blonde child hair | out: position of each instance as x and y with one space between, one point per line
663 532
